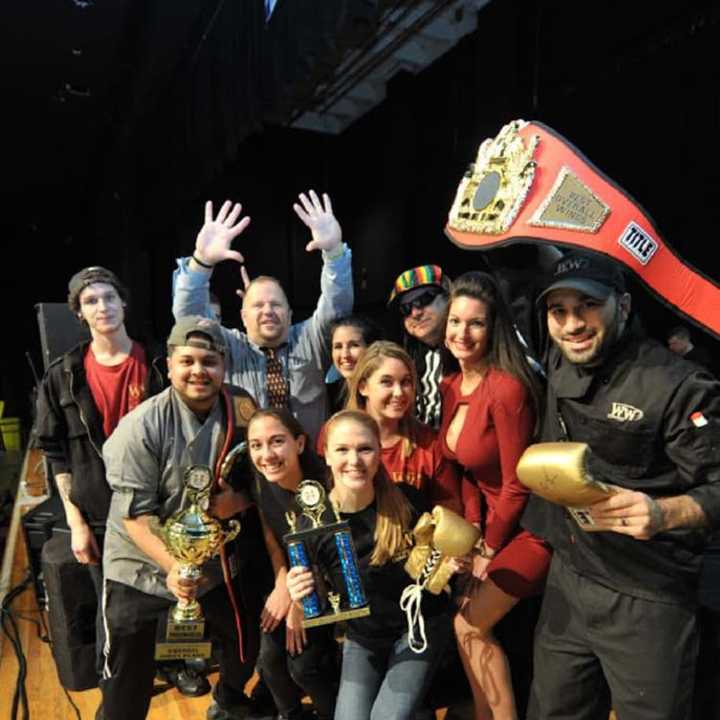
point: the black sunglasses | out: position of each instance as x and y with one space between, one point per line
418 302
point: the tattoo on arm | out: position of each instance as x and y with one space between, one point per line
681 511
64 484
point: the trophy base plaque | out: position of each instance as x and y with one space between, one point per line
334 617
182 641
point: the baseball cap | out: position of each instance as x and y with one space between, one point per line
588 273
415 281
87 276
193 325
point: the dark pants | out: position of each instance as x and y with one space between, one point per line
96 575
596 648
707 682
314 671
131 619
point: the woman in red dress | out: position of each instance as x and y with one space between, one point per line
489 411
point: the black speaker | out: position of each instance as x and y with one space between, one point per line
38 526
60 330
72 609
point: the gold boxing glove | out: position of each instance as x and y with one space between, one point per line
559 473
438 537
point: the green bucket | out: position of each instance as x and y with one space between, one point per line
10 428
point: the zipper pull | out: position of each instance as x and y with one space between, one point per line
563 429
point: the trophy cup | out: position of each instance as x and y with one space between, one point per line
345 598
192 537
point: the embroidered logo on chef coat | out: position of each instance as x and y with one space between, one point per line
622 412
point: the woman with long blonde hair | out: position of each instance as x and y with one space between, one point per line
381 676
383 385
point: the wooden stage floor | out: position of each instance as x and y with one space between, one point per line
47 700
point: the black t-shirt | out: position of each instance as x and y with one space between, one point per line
384 584
274 501
337 395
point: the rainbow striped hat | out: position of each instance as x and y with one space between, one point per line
418 277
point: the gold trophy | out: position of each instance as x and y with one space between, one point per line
192 537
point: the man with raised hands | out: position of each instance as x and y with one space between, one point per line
279 363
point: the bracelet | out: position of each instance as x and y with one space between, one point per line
201 263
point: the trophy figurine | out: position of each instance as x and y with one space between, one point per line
346 598
192 537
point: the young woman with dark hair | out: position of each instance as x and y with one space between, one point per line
489 414
381 676
349 337
290 657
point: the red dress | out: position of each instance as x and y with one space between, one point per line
496 431
425 468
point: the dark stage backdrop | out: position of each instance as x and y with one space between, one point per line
634 85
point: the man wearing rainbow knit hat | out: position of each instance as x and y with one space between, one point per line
421 295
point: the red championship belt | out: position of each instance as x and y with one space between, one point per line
530 184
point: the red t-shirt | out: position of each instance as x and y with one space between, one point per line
116 389
425 468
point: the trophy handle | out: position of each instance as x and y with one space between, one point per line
230 459
230 532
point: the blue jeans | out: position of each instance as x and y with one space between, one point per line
385 679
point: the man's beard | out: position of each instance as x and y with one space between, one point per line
596 356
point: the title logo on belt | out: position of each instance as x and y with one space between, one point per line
638 243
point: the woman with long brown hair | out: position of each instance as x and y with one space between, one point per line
293 661
489 409
381 676
383 385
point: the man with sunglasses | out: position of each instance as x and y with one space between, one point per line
421 295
